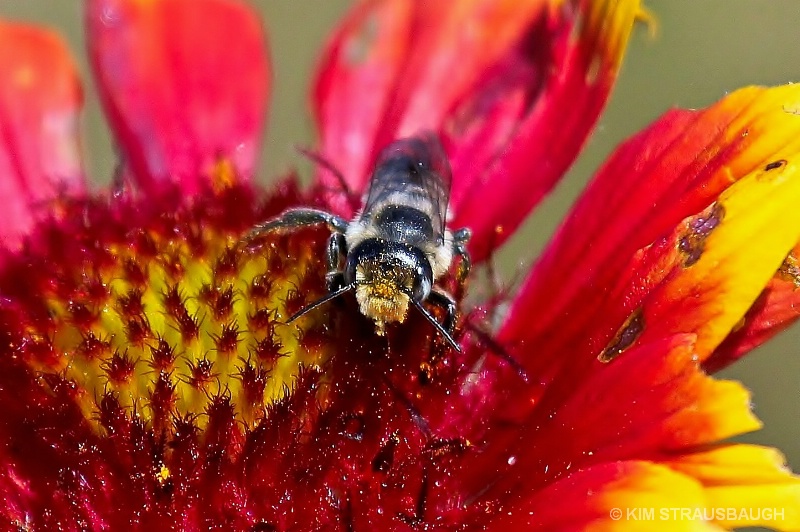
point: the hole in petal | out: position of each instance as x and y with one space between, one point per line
790 270
693 244
384 460
625 337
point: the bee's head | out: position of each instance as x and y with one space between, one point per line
387 275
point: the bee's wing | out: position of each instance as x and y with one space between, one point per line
413 172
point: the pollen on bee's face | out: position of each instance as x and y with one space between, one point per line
379 293
384 289
383 303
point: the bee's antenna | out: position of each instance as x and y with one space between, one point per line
436 324
495 347
320 160
321 301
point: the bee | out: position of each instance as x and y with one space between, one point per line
398 245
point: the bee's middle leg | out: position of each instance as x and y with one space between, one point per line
446 302
460 239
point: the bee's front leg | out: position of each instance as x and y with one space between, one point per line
296 218
334 281
337 254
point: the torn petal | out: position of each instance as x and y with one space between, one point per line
40 103
776 308
704 276
185 84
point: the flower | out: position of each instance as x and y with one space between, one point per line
148 377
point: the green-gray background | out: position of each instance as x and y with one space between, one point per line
704 49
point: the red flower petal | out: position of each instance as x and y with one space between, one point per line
493 90
514 134
185 83
397 66
40 100
721 488
354 86
663 404
599 498
675 168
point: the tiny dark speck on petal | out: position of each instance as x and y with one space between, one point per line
627 334
442 447
353 427
384 459
263 527
775 165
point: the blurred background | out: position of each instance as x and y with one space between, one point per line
702 50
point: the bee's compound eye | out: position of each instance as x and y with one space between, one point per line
422 284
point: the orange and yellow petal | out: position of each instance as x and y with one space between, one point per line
704 276
185 84
40 103
652 184
750 478
719 488
644 495
615 496
675 301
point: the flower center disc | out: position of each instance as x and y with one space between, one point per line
163 318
